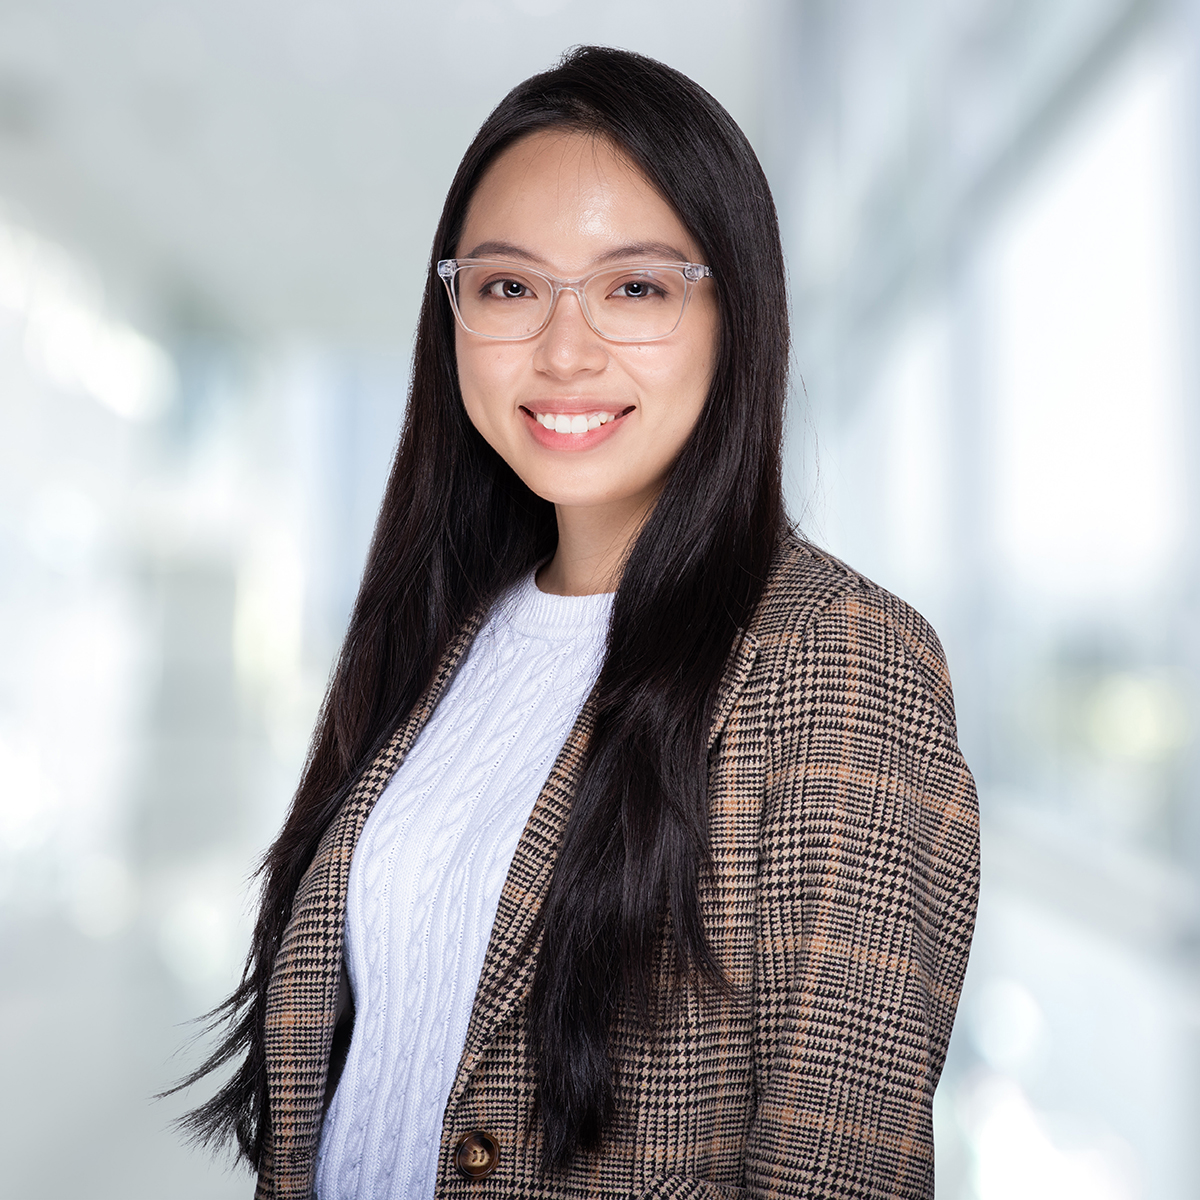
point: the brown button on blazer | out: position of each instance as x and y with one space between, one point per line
845 843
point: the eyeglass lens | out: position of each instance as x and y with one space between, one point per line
627 303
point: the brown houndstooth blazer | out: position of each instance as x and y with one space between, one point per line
845 839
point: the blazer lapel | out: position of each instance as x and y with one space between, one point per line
508 966
302 996
737 671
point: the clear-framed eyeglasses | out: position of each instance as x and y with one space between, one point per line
629 302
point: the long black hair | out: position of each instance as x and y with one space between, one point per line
457 527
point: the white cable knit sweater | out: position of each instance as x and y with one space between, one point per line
425 882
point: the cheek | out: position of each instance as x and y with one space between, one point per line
680 379
704 354
485 377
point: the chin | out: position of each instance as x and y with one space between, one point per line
571 492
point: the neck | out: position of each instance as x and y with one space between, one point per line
592 547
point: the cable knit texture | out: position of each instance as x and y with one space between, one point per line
426 878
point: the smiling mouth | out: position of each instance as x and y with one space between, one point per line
575 422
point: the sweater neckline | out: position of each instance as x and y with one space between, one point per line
529 610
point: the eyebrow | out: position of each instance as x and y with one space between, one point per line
660 250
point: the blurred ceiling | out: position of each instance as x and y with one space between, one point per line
274 168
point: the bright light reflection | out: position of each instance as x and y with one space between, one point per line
70 340
1089 501
1015 1155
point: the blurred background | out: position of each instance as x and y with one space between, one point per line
214 226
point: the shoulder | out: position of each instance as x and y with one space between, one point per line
820 624
861 746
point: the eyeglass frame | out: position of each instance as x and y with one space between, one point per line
692 273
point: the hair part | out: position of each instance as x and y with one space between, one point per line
457 527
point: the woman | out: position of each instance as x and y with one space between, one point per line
635 854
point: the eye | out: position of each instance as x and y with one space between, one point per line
641 286
636 289
507 289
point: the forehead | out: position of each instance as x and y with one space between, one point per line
568 200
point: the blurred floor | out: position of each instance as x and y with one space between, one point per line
93 1030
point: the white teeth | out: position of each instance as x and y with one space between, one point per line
578 423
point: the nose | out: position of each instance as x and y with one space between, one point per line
569 345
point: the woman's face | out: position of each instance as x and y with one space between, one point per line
568 204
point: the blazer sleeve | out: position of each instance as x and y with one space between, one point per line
868 882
